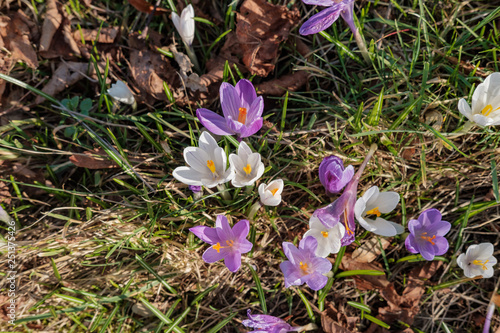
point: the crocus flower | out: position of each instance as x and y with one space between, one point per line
326 17
342 209
248 166
268 324
478 260
485 109
121 93
375 203
195 188
242 111
226 243
207 164
270 195
426 234
332 174
303 266
329 239
185 24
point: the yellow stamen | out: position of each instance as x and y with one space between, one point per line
242 116
217 247
324 233
374 211
481 263
230 243
487 110
303 267
247 169
427 238
347 229
274 191
211 165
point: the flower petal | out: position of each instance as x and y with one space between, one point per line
206 234
187 175
291 273
211 255
197 159
233 261
213 122
207 143
441 246
223 229
256 109
229 100
383 227
315 281
321 21
387 201
246 93
241 229
465 109
251 129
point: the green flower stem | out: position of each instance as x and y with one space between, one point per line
223 192
362 47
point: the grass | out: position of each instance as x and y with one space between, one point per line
108 250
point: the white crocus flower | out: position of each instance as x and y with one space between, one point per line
121 93
478 260
248 166
207 164
485 109
270 195
375 203
329 239
185 24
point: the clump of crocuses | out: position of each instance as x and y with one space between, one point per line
242 111
225 242
427 234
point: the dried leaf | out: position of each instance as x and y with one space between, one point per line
15 36
57 39
279 86
150 69
370 249
67 74
93 160
260 29
145 7
330 320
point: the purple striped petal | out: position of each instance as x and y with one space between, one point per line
229 100
213 122
321 21
246 92
206 234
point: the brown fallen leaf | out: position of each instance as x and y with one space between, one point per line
98 159
103 35
150 69
369 250
57 39
15 36
145 7
67 74
279 86
335 320
260 29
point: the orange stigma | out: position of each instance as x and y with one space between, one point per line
247 169
324 233
303 267
274 191
346 223
217 247
242 117
211 165
427 238
374 211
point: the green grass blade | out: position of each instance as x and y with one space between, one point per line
260 291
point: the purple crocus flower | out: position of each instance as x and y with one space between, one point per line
332 174
242 111
226 243
326 17
268 324
303 265
342 209
426 234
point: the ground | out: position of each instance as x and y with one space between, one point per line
101 226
